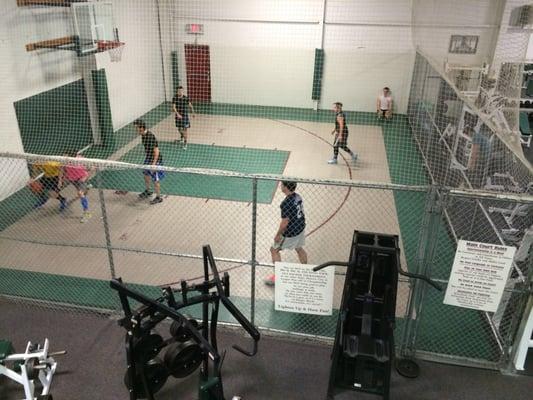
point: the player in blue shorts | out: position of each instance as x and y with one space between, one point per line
181 106
291 231
153 158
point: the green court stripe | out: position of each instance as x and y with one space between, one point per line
57 288
192 185
96 293
452 330
245 160
283 113
237 159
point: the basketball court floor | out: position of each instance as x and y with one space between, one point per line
199 211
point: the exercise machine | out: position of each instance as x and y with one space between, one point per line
25 368
191 344
505 182
363 350
467 78
516 217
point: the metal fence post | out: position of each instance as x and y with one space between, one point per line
106 225
253 261
426 249
519 322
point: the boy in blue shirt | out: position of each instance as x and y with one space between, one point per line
291 231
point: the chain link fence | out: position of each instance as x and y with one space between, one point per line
464 150
56 260
452 152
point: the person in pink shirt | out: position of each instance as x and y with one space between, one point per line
78 175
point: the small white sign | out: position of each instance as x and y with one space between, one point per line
301 290
478 276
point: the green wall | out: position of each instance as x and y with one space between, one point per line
175 72
317 74
103 108
56 120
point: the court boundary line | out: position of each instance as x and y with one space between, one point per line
348 166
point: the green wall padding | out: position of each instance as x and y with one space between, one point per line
102 106
317 74
175 71
15 207
54 121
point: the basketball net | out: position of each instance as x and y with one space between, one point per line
114 49
115 53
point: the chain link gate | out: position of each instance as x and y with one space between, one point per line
439 332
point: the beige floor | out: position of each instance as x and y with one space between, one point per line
183 224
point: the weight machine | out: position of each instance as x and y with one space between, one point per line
516 217
25 368
192 344
363 351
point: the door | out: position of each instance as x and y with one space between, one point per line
198 73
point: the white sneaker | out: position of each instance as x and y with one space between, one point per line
184 147
332 161
86 217
354 157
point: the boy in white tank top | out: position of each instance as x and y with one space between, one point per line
384 104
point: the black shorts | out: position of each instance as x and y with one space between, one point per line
343 142
50 183
183 123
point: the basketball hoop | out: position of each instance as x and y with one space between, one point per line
113 47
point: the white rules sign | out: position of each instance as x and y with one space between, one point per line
301 290
478 275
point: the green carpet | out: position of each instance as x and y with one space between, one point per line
441 327
97 294
244 160
58 288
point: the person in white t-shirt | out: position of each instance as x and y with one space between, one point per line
384 104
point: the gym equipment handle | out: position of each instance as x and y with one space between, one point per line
243 321
330 264
57 353
424 278
247 353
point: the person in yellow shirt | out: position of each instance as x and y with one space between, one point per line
51 182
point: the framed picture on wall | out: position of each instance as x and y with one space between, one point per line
463 44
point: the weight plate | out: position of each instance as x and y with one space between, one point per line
179 332
156 377
30 368
407 368
182 359
147 347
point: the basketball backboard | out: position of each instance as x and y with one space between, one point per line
93 23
